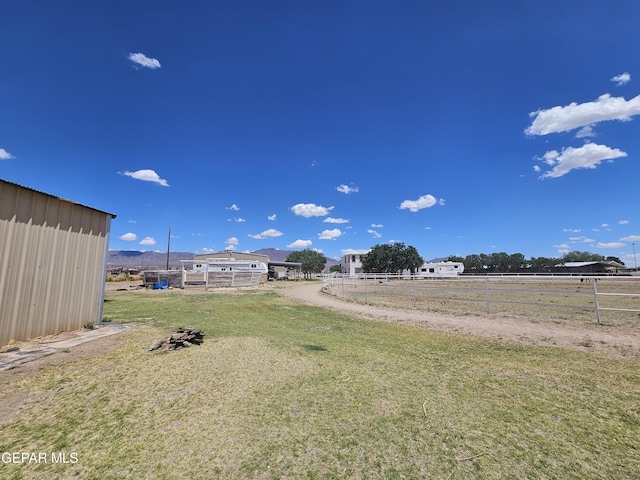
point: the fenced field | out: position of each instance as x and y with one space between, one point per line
283 390
610 300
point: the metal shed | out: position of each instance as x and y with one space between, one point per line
52 263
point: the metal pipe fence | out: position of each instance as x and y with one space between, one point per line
549 297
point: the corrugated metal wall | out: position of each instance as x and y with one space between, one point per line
52 263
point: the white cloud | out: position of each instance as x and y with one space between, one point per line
571 230
335 220
582 239
148 241
308 210
208 250
351 251
239 220
425 201
144 61
300 244
232 241
610 245
271 233
631 238
536 168
346 189
330 234
604 225
587 156
563 119
132 221
586 132
4 155
229 248
562 245
271 217
147 176
623 222
621 79
374 234
376 225
128 237
232 207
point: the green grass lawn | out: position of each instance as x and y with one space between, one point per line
280 390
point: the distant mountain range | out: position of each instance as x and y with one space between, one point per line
142 260
277 255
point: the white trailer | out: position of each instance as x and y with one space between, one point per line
437 270
227 265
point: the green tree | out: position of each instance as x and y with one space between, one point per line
336 268
385 258
577 256
543 264
474 264
312 261
611 258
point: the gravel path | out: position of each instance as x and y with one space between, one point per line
612 340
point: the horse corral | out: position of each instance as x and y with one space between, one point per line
611 300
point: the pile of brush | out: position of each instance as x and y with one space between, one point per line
181 338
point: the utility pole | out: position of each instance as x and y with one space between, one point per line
168 247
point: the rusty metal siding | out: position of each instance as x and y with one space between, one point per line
52 261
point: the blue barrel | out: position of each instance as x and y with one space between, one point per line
165 284
156 285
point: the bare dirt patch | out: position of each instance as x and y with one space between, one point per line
613 340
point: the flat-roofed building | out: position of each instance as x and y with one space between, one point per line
351 262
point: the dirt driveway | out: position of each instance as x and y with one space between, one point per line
621 341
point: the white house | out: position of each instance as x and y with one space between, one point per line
351 262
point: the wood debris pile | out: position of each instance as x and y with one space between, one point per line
181 338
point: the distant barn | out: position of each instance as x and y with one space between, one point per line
52 263
592 268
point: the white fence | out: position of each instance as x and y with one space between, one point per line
534 296
217 279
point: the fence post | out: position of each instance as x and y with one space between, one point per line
366 297
594 281
413 283
486 293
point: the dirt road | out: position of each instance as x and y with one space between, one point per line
619 341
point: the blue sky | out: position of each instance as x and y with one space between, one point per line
456 127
